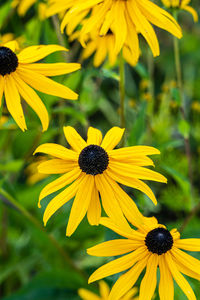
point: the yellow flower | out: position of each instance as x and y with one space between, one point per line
94 167
19 73
150 247
104 45
23 5
181 4
124 18
104 293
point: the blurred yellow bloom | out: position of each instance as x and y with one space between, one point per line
42 7
7 37
125 19
4 123
181 4
151 247
20 75
104 293
104 45
32 172
91 169
196 106
23 5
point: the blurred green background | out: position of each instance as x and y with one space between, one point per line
41 263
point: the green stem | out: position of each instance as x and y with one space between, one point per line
150 62
182 110
122 90
49 237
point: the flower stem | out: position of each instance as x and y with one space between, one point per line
14 203
122 89
182 110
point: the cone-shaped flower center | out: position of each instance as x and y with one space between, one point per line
93 160
159 240
8 61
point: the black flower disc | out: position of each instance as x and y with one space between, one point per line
93 160
8 61
159 240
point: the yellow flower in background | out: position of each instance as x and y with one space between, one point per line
125 19
104 45
19 74
150 247
23 5
181 4
91 168
104 293
32 173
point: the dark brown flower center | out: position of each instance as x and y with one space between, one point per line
93 160
8 61
159 240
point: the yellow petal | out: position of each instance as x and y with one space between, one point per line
53 69
127 280
80 204
148 284
45 84
57 151
87 295
94 209
13 45
94 136
127 205
35 53
122 229
59 183
56 166
112 138
166 285
104 289
13 102
127 152
114 247
74 139
185 270
1 88
118 265
30 96
160 17
180 280
188 244
193 12
109 201
186 259
119 25
143 26
61 199
131 171
134 183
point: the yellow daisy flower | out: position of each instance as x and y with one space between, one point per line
91 168
104 45
104 293
19 72
181 4
124 18
150 247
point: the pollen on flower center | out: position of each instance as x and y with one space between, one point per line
8 61
93 160
159 240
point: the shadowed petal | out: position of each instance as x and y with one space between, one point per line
166 285
127 280
13 102
80 204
